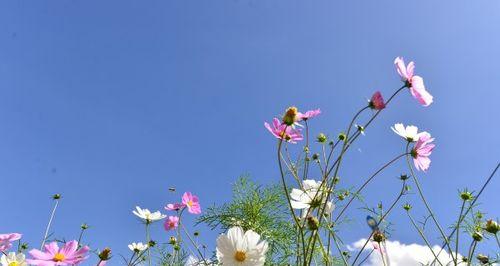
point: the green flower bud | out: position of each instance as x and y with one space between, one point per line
172 240
492 227
56 196
84 226
342 136
151 243
407 207
315 156
312 223
177 247
403 177
466 196
477 236
321 138
336 179
196 233
378 237
483 259
105 254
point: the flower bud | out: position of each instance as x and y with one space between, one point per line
466 196
84 226
403 177
105 254
336 179
361 129
342 136
321 138
24 246
177 247
331 143
341 197
312 223
315 156
483 258
172 240
492 227
378 237
290 116
196 233
477 236
151 243
56 196
407 207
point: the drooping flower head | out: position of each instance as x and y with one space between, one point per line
52 255
377 101
192 203
410 133
241 248
414 82
422 150
137 247
13 259
174 206
307 115
7 239
282 131
147 215
171 223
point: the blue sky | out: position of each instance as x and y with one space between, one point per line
111 102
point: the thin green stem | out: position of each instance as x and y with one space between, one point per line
422 235
193 243
49 223
471 252
458 231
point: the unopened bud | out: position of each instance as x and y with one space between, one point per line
315 156
105 254
312 223
466 196
477 236
492 227
56 196
151 243
378 237
322 138
483 259
84 226
290 116
407 207
172 240
342 136
403 177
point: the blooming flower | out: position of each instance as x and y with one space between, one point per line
415 83
147 215
174 206
422 150
192 203
13 259
377 101
241 248
6 239
137 247
309 196
282 131
308 114
171 223
410 133
69 254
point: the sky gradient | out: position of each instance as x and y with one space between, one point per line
110 103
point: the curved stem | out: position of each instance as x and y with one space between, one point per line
49 223
420 192
458 231
471 252
193 243
421 233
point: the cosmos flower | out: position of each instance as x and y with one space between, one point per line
137 247
147 215
307 115
174 206
377 101
13 259
192 203
422 150
415 83
282 131
171 223
241 248
410 133
309 196
7 239
69 254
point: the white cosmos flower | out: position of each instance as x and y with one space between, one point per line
148 216
13 259
137 247
309 196
410 133
241 248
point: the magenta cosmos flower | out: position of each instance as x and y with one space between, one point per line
308 114
192 203
174 206
415 83
282 131
377 101
171 223
422 150
69 254
7 239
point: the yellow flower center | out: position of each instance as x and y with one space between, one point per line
240 256
190 203
59 257
14 263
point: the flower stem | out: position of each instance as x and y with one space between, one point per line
49 223
457 228
423 237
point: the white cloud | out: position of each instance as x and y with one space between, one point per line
401 254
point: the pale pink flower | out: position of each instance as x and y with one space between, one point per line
377 246
192 203
174 206
7 239
422 150
414 82
171 223
69 254
282 131
308 114
377 101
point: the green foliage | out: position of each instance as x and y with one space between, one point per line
262 209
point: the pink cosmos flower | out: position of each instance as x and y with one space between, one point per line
7 239
174 206
422 150
192 203
69 254
282 131
415 83
308 114
377 101
171 223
